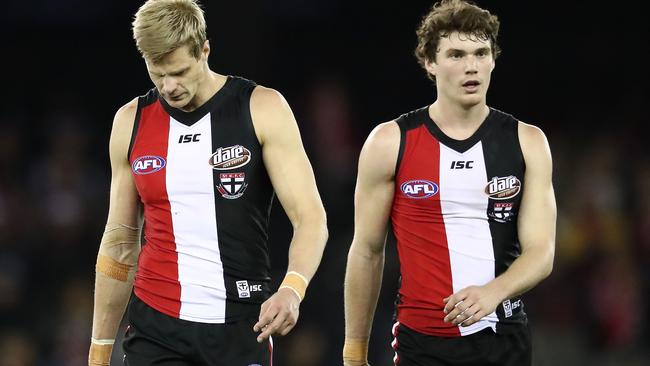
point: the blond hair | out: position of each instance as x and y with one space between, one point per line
162 26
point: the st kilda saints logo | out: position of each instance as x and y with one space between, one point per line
231 157
232 185
502 212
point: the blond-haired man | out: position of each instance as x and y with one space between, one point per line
198 160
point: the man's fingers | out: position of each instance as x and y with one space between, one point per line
273 327
452 301
469 316
265 318
454 310
286 327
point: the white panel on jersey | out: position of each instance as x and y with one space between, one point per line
464 208
190 187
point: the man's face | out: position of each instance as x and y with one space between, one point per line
177 76
462 67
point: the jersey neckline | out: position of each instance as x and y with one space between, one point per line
460 146
190 118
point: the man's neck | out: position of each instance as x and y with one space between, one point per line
457 121
210 85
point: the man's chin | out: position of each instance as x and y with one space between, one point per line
176 103
471 100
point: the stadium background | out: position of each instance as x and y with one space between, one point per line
576 70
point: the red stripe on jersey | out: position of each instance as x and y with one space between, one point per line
421 238
156 281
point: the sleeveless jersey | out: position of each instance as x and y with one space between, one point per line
454 216
207 200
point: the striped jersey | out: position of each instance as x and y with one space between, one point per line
207 199
454 216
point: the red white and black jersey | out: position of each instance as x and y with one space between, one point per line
207 200
454 216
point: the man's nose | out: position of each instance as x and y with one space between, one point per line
169 84
471 65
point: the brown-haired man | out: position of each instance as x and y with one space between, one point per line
469 194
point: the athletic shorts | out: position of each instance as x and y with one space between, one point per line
153 338
484 348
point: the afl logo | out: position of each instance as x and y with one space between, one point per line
419 188
502 188
231 157
147 164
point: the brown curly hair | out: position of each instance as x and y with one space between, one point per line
449 16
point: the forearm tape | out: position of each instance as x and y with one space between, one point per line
295 282
100 352
355 351
118 251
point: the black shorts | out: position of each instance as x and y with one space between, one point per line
484 348
153 338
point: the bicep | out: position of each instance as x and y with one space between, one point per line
372 202
537 218
285 159
124 207
375 188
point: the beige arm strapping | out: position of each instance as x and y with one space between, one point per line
118 255
116 252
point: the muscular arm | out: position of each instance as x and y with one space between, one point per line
373 199
536 227
120 245
294 183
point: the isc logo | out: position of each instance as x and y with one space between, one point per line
184 139
147 164
462 164
419 188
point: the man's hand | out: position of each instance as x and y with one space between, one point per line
278 314
469 305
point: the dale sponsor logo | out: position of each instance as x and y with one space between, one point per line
147 164
419 188
503 188
231 157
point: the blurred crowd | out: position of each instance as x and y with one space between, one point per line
54 178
